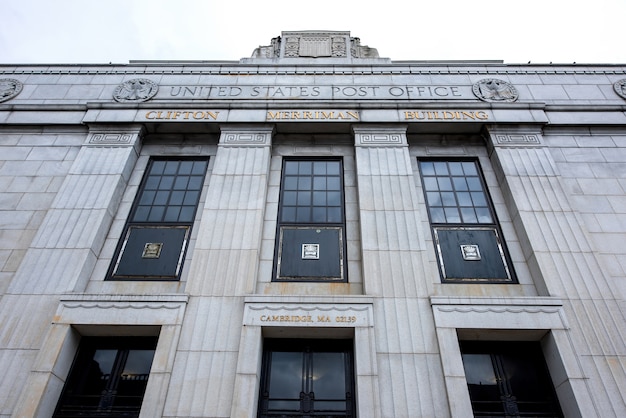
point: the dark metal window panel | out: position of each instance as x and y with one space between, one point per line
157 232
307 378
108 378
136 262
509 379
293 264
311 208
489 264
463 221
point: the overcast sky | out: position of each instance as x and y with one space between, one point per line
103 31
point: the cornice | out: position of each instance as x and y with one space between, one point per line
346 69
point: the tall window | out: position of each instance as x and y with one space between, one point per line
508 379
311 227
467 236
108 378
307 378
156 234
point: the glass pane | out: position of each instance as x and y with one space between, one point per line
288 214
478 369
304 183
333 168
469 168
199 168
186 214
319 168
161 197
428 168
444 183
328 377
152 183
142 213
468 215
319 183
157 167
452 215
434 199
319 214
479 199
304 198
441 168
305 167
285 381
103 360
195 183
484 216
291 183
177 198
303 214
147 197
474 183
334 214
333 183
291 167
138 363
464 199
171 214
437 216
334 198
171 167
185 167
456 169
289 198
448 199
181 182
156 213
430 183
166 182
319 198
191 198
459 183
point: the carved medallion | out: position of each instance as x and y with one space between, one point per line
620 88
136 90
9 88
494 90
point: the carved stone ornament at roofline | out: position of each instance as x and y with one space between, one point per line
9 88
620 88
316 44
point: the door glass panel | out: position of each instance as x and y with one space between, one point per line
286 375
328 377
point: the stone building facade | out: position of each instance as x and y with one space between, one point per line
313 231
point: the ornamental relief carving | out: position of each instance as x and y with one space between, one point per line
494 90
136 90
9 88
620 88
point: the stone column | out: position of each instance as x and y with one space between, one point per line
394 273
64 250
561 260
223 270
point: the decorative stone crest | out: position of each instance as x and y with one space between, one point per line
9 88
494 90
620 88
315 44
136 90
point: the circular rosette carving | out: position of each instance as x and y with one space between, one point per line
136 90
494 90
620 88
9 88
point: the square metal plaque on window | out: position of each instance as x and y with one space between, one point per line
310 251
152 250
470 252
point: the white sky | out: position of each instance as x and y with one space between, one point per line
103 31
